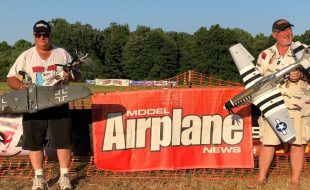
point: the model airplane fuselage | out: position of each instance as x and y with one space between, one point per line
261 86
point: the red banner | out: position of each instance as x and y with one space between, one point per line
170 129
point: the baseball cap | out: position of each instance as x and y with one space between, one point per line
281 24
42 26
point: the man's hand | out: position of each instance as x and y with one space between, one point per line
16 84
295 75
73 75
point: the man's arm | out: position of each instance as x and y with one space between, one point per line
15 84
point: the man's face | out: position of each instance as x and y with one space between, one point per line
283 37
42 40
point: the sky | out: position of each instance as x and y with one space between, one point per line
18 17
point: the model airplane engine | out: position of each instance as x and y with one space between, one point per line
302 54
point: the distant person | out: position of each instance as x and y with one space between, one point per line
269 61
39 64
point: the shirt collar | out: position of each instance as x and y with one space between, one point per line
274 50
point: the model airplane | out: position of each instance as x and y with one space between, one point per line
75 64
35 98
264 91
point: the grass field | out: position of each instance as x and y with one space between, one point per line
94 88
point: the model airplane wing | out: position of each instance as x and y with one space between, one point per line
272 106
262 92
35 98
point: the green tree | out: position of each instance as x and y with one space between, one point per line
73 36
150 54
261 43
211 50
9 54
185 56
164 51
304 38
19 47
83 39
116 37
5 59
137 55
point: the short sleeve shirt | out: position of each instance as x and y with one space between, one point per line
269 62
37 69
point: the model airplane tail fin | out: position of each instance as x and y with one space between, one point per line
302 54
244 62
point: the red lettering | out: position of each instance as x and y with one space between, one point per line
38 69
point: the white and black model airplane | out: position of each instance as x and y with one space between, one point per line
264 92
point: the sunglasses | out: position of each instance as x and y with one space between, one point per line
45 35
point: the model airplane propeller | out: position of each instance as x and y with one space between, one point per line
77 61
69 68
264 91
